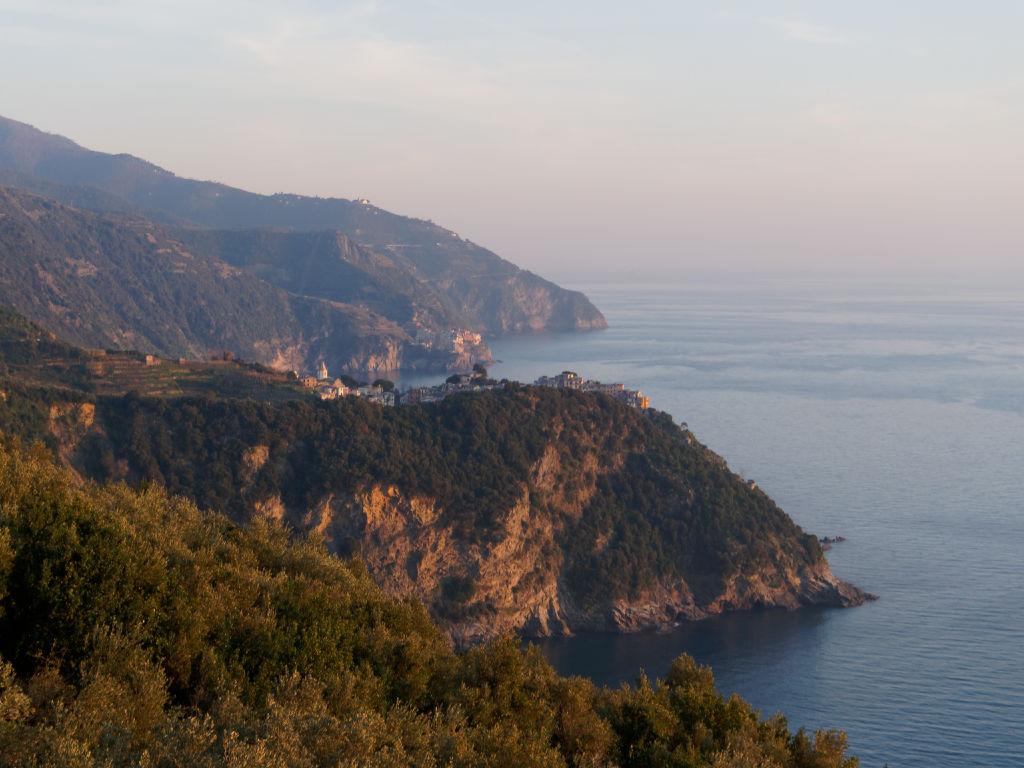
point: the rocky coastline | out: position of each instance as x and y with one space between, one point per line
408 551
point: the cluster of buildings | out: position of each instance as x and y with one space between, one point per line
571 380
328 389
456 340
453 385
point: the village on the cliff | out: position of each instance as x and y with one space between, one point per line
380 392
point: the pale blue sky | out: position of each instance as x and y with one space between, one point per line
832 136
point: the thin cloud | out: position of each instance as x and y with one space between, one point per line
836 114
330 57
795 29
807 32
370 70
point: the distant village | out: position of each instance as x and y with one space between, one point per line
384 393
329 389
455 340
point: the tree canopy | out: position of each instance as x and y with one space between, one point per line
136 630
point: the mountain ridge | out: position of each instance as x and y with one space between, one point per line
493 295
124 283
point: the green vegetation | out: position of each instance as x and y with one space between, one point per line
136 630
142 628
665 505
32 358
630 500
23 343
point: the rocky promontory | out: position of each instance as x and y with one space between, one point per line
406 547
528 510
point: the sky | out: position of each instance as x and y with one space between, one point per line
815 137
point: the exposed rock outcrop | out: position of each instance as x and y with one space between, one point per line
529 510
409 551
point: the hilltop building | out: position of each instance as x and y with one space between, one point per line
564 380
572 380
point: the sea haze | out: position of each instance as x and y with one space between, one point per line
891 415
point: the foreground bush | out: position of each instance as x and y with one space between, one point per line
136 630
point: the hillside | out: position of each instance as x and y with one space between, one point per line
329 265
110 281
490 294
527 509
31 357
137 630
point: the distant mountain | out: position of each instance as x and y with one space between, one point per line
329 265
110 281
487 293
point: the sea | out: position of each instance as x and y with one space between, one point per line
890 413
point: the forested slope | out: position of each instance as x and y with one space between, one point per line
528 509
136 630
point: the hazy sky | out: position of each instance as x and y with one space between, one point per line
754 135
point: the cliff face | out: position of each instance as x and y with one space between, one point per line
530 510
528 304
408 550
533 573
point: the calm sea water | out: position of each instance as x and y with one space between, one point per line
893 416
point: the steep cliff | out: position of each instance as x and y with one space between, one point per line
521 579
529 510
